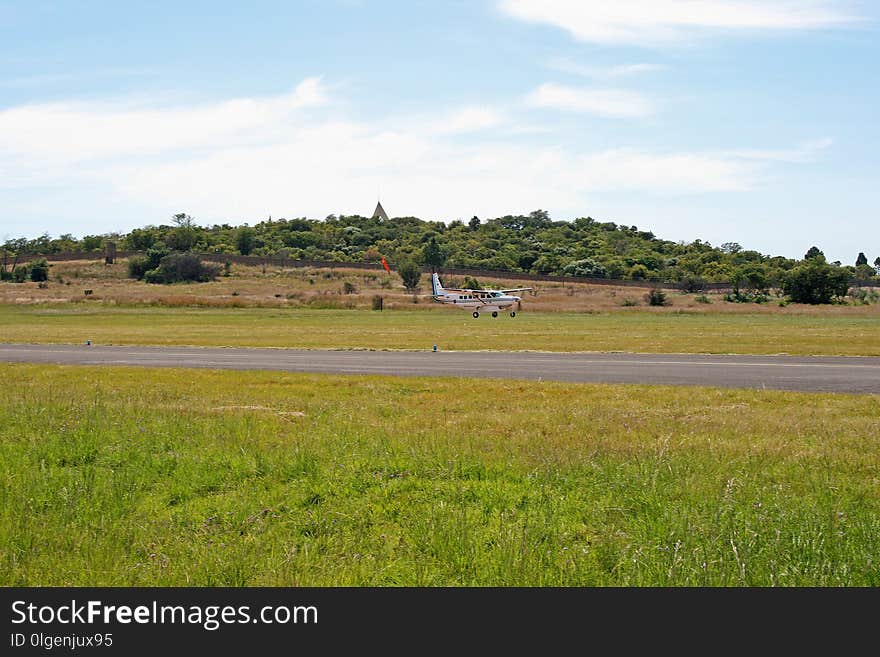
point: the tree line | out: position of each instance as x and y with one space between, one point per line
532 243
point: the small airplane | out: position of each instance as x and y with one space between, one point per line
486 300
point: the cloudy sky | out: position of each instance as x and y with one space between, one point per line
752 121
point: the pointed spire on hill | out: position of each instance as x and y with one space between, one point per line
379 212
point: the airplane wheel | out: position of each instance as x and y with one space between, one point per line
513 313
494 314
476 315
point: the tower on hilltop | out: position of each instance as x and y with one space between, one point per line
379 212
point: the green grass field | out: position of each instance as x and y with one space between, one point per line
117 476
638 331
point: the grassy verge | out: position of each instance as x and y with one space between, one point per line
116 476
639 331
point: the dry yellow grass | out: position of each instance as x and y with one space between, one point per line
277 287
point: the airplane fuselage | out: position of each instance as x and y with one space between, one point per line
485 302
490 301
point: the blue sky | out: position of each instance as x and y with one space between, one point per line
742 120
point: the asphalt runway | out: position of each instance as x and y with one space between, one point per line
816 374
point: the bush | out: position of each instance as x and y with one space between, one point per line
702 298
816 282
656 297
138 266
471 283
182 268
691 284
747 297
39 270
348 288
20 275
865 297
410 274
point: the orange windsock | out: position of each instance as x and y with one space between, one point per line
385 264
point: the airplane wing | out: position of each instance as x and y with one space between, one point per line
516 289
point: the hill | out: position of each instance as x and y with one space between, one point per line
532 243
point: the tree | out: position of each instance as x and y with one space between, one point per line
410 274
92 242
731 247
586 267
140 239
17 247
877 265
862 259
183 238
474 223
752 279
245 240
813 252
183 220
864 274
816 282
432 254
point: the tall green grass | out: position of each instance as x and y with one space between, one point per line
117 476
641 331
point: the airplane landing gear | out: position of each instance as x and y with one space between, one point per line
494 313
476 314
513 313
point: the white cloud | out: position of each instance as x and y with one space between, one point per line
74 132
243 159
670 173
602 73
656 22
806 152
470 119
603 102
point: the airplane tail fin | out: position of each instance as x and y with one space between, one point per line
436 287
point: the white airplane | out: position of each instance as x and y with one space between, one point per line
485 300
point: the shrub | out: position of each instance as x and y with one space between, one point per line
471 283
182 268
410 274
864 297
138 266
39 270
656 297
747 297
20 275
690 283
629 302
702 298
348 288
